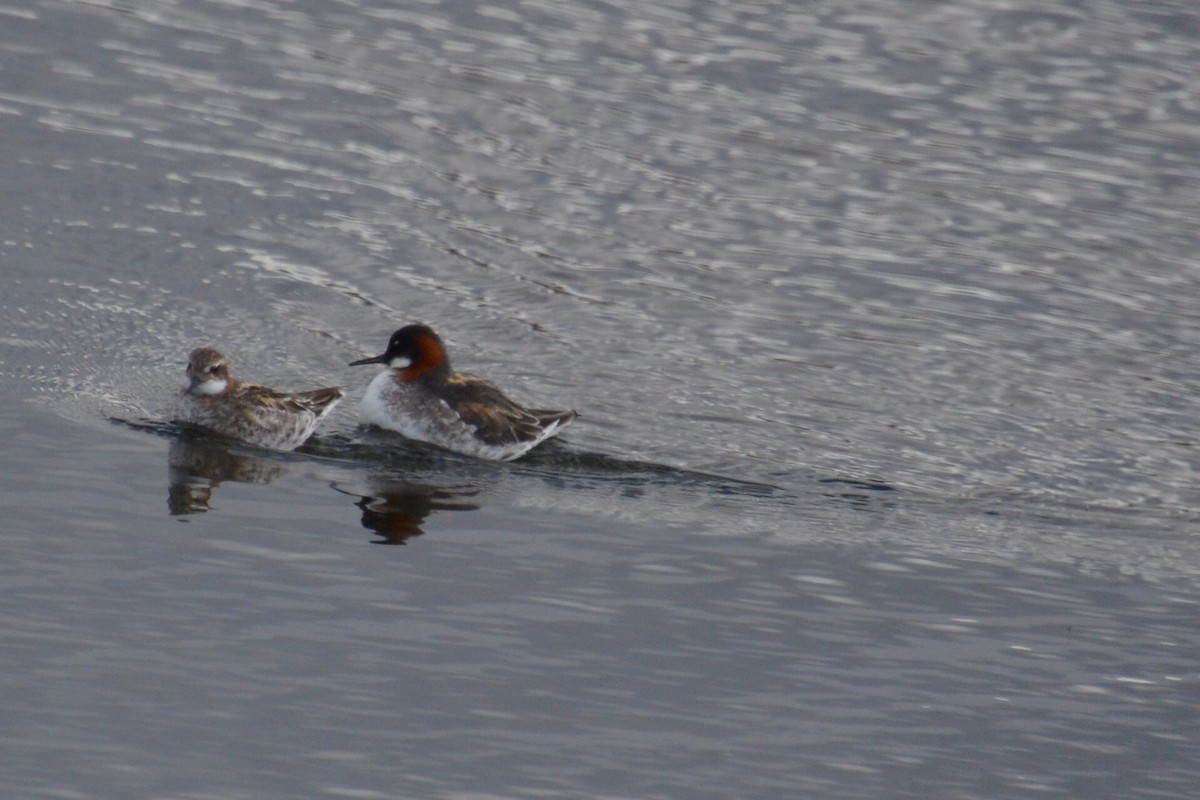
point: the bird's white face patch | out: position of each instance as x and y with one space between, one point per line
400 362
210 387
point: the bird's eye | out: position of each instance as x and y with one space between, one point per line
213 369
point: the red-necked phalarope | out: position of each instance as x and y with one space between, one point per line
262 416
421 397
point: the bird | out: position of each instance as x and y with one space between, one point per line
257 415
420 396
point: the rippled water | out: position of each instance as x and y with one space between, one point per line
880 317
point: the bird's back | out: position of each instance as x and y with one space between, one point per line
261 415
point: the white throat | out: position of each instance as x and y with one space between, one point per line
400 362
209 388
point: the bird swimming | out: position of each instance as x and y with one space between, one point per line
258 415
420 396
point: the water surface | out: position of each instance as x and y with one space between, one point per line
880 319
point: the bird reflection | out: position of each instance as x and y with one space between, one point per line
396 510
197 466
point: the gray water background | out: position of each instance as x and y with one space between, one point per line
881 317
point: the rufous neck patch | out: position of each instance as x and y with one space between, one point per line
430 355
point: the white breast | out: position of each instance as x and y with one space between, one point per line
374 407
392 405
209 388
410 411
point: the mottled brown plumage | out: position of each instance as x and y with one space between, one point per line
259 415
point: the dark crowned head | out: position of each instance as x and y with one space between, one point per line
413 348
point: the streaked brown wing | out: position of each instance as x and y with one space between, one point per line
262 405
318 399
264 398
546 418
497 419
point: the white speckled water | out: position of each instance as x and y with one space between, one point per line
880 317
